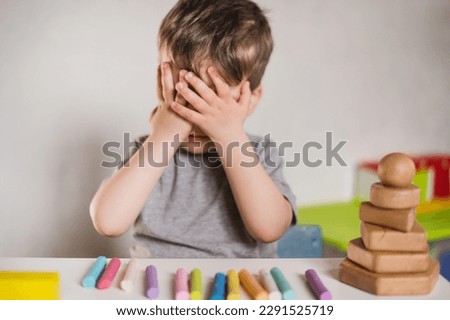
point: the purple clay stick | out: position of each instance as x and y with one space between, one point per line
317 286
151 281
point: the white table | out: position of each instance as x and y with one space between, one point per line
72 271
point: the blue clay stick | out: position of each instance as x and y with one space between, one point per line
218 292
94 273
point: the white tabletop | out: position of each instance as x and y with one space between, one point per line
72 272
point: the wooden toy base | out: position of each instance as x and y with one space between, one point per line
387 261
389 283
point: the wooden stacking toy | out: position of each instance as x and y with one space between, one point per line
392 255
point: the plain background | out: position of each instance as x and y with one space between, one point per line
76 74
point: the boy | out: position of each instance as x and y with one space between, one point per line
212 58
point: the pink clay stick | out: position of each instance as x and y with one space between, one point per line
181 285
108 275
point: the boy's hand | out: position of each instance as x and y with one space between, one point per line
164 122
218 115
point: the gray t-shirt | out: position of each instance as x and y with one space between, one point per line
191 212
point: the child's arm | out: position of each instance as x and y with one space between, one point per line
264 210
120 199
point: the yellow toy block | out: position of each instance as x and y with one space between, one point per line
25 285
433 206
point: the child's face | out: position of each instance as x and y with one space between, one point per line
197 141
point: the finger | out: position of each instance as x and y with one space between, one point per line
179 98
175 74
202 89
194 99
222 88
159 94
168 90
190 115
246 94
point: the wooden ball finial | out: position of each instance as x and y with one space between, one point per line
396 170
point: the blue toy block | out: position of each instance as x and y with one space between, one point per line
303 241
445 265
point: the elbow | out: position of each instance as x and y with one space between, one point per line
102 224
108 231
268 236
272 231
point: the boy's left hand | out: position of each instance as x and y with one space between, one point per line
219 115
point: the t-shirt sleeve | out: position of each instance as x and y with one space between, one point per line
273 163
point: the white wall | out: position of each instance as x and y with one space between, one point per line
75 74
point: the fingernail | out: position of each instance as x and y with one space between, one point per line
179 86
211 69
189 75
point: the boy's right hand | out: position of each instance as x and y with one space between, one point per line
164 122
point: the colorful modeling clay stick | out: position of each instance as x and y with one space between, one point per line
283 284
196 285
233 288
108 275
94 273
218 292
29 285
317 286
181 285
269 284
252 286
130 274
151 281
